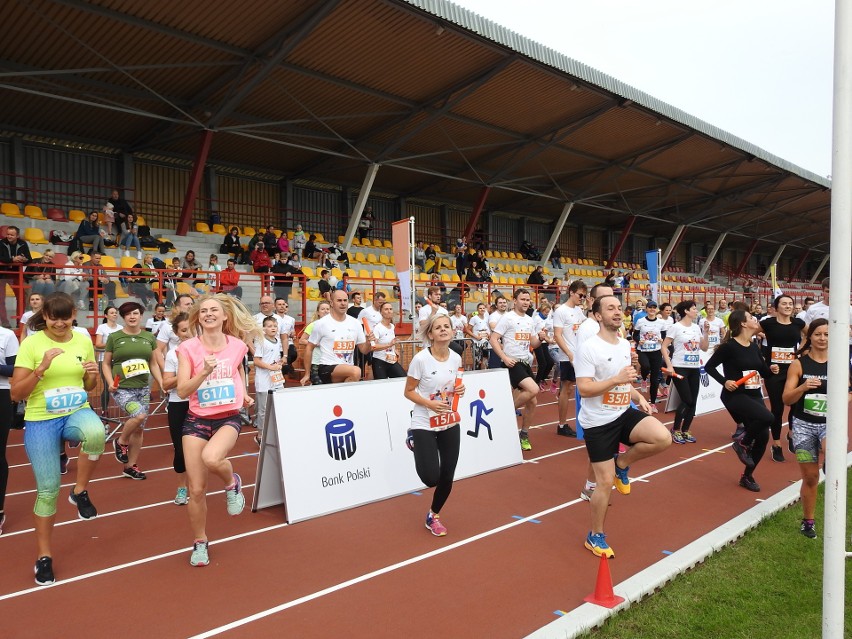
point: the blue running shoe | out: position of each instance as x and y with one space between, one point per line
597 544
622 482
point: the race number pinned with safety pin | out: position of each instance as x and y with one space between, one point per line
60 401
218 392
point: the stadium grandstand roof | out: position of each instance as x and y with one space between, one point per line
445 101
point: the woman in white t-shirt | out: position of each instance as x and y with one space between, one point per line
36 301
668 321
109 326
479 331
177 408
459 322
385 357
432 385
688 342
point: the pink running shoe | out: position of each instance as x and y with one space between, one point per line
622 449
434 525
554 388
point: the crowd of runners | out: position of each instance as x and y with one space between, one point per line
618 367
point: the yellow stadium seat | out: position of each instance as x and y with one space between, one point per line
219 229
387 244
109 260
422 277
371 259
504 255
128 262
455 277
34 212
336 272
76 215
140 220
290 235
350 272
313 294
86 256
182 288
359 258
377 274
364 273
10 209
489 254
202 227
119 290
383 259
35 236
320 238
36 255
355 241
390 275
341 239
308 271
249 231
377 243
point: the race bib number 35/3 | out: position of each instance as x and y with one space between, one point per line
60 401
216 393
617 397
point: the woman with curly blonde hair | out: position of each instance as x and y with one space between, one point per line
211 376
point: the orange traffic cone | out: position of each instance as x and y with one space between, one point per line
603 595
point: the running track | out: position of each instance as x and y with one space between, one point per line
513 559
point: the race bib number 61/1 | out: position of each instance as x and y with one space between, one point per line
216 393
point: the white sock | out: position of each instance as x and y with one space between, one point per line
590 485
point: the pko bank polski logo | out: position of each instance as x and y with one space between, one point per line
340 437
703 376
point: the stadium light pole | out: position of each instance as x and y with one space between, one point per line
834 548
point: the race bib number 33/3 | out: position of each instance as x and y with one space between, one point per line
216 393
59 401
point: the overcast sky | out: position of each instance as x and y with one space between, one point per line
759 69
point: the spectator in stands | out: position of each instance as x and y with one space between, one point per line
556 258
625 284
231 244
336 253
74 281
211 278
14 257
170 280
299 240
420 256
433 262
109 218
89 232
461 255
121 209
536 278
365 224
748 291
139 282
131 237
324 285
529 251
609 280
282 280
311 250
344 285
436 281
229 280
283 244
190 268
270 240
253 242
99 279
552 290
42 275
259 258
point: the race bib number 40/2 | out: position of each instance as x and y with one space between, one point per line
60 401
220 392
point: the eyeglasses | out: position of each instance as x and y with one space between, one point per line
582 296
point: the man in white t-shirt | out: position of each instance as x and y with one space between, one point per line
502 305
430 308
373 315
803 313
566 322
605 375
511 341
819 310
336 335
287 332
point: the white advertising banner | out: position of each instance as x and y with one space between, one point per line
709 392
343 445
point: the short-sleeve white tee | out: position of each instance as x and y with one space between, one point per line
384 335
569 319
436 380
269 352
337 340
516 331
687 345
601 360
650 334
171 366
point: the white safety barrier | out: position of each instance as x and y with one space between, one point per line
332 447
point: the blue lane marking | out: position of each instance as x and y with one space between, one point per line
667 552
559 613
250 454
532 521
416 493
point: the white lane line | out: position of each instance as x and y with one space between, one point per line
131 564
402 564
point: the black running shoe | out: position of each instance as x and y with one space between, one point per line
85 508
121 451
566 431
133 472
808 529
44 571
63 464
749 484
777 454
739 432
743 453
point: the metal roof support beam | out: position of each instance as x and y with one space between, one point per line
360 203
819 269
798 266
557 231
680 231
774 261
746 258
712 255
195 176
477 211
625 233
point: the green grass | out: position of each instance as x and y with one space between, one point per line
767 585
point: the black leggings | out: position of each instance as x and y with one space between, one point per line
651 363
545 363
177 416
775 389
5 425
435 457
383 370
687 388
753 414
